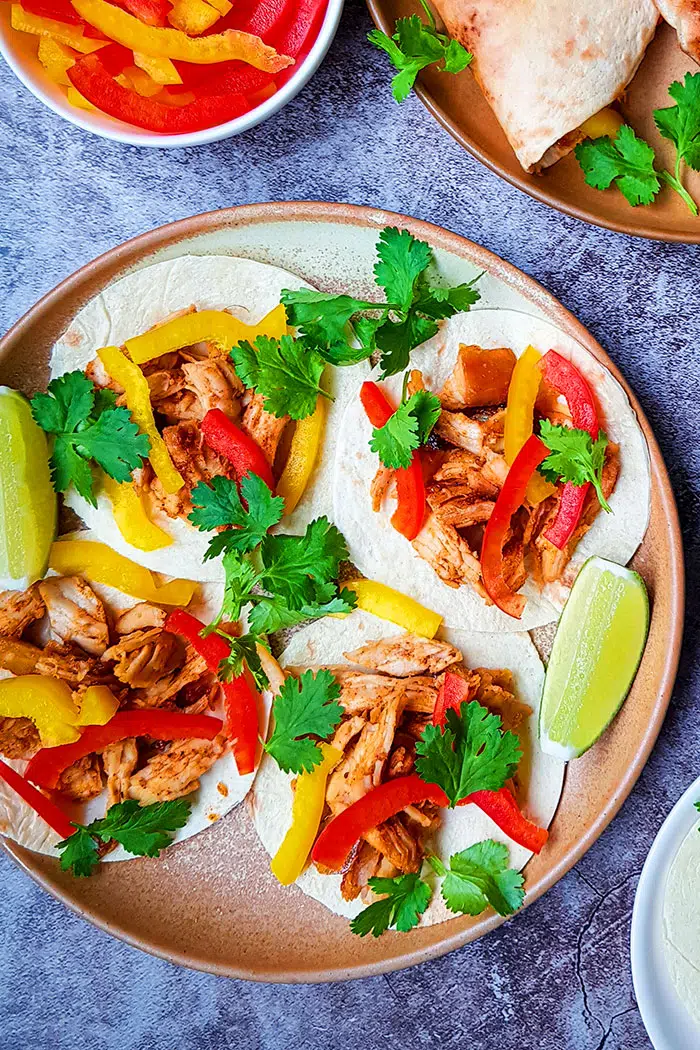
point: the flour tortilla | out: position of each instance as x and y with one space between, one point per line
681 922
546 66
131 306
684 16
381 553
221 787
540 776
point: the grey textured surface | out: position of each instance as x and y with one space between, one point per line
558 975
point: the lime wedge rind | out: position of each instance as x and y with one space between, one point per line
596 654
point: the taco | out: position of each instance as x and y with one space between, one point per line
466 475
391 687
152 725
152 313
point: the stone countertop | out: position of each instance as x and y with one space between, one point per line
558 975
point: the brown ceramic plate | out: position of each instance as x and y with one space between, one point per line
212 903
459 105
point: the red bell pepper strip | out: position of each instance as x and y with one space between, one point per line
62 11
567 380
46 766
244 454
259 17
451 695
509 499
297 39
504 811
222 78
410 486
151 12
47 810
339 836
240 695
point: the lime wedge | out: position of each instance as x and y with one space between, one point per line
27 498
598 645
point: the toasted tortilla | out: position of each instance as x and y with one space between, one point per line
684 16
546 66
681 922
221 788
383 554
132 305
540 777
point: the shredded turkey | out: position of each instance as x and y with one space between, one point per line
176 772
75 613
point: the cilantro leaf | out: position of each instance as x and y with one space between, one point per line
681 123
251 513
574 457
479 876
244 653
285 371
292 565
407 429
303 707
628 161
415 45
272 613
240 579
79 853
444 302
471 753
401 260
323 320
396 339
86 428
407 897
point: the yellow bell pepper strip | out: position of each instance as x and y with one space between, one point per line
56 58
48 702
98 705
78 100
72 35
161 70
217 327
131 517
522 394
303 453
222 6
383 601
99 563
606 122
134 79
138 399
307 809
192 16
129 31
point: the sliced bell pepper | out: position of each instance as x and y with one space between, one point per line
56 58
76 99
131 517
339 836
61 10
134 382
222 78
122 27
222 6
161 70
98 705
410 487
135 79
522 394
509 499
302 456
383 601
297 36
240 694
193 16
48 702
453 692
307 809
567 380
46 809
236 446
150 12
217 327
99 563
72 35
504 811
46 766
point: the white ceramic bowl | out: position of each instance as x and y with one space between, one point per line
19 51
666 1019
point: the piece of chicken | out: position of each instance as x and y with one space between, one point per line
19 609
18 738
83 780
119 761
475 433
140 617
395 842
176 772
361 866
215 385
61 661
362 766
143 658
497 693
405 655
76 614
448 553
195 461
264 428
480 378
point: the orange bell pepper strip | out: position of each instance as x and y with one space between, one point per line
307 809
49 812
123 28
98 562
303 453
160 70
217 327
193 16
522 394
72 35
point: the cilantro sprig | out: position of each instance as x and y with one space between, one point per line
286 372
415 45
574 457
245 516
406 319
681 123
142 830
87 428
407 429
404 900
305 707
470 753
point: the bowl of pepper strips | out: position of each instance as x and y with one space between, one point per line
166 73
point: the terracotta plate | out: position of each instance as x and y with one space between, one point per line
211 902
459 105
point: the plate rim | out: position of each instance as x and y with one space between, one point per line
133 251
518 178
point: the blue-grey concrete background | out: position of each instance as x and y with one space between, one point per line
557 977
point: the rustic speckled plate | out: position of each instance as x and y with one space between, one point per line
459 105
211 903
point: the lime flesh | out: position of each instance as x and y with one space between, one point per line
598 645
28 506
